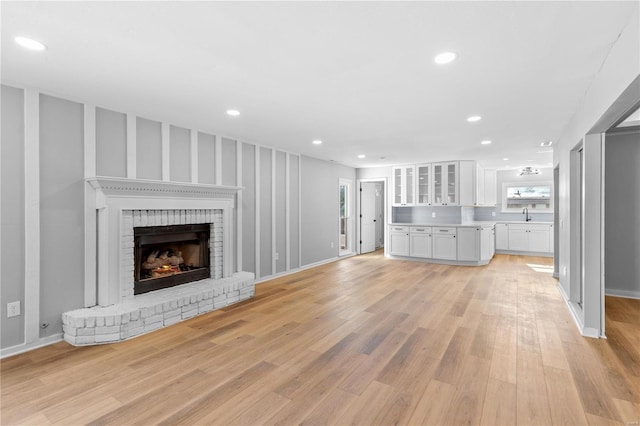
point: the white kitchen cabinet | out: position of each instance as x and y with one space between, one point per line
445 184
490 187
480 186
502 236
399 241
404 182
487 242
420 242
423 184
468 244
531 237
444 243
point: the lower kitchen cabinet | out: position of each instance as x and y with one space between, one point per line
399 241
420 242
502 236
444 243
529 237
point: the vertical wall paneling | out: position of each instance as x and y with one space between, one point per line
166 152
258 199
131 146
300 210
239 209
248 207
274 203
287 210
229 161
111 143
281 231
148 149
32 215
90 254
206 158
12 210
266 212
61 210
194 155
180 157
218 160
293 211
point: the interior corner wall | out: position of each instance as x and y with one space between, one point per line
320 208
622 221
12 262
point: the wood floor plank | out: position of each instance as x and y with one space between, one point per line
365 340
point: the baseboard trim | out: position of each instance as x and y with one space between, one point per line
304 268
26 347
584 331
627 294
525 253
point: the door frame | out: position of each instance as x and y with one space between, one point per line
385 210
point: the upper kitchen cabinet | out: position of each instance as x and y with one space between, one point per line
423 184
404 185
445 184
485 187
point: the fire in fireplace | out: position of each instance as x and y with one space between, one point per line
167 256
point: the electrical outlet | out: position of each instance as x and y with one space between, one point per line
13 309
276 256
433 214
493 214
331 244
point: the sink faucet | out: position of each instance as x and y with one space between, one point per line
525 212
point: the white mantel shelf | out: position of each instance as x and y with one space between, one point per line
136 187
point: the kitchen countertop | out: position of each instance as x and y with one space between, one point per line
471 224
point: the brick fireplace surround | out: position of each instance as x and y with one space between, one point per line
116 314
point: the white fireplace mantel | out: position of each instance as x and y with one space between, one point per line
105 201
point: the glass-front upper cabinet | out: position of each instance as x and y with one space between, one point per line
445 184
404 185
423 185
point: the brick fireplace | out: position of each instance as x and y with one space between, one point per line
119 209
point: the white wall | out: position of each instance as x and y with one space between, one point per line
617 73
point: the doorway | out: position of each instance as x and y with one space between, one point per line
346 218
371 215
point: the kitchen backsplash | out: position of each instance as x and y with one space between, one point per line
459 215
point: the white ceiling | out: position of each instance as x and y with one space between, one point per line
360 76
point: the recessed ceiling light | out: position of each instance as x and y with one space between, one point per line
485 142
233 112
317 142
444 58
505 159
474 118
29 43
361 155
547 143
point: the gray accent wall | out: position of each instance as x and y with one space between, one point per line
249 207
61 210
280 209
265 213
312 199
111 143
229 161
320 208
148 149
294 209
12 273
180 158
622 213
206 158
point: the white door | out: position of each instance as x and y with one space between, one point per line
367 217
379 215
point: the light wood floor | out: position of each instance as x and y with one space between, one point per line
365 340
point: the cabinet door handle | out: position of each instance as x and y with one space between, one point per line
454 236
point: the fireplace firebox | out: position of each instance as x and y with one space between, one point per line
166 256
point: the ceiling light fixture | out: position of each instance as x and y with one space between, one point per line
317 142
529 171
474 118
29 43
361 156
485 142
547 143
444 58
505 159
233 112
